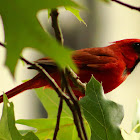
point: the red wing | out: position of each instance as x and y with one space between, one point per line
94 58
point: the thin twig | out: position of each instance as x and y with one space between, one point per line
77 107
73 98
59 37
51 81
64 84
55 25
2 44
75 79
58 119
76 122
127 5
60 93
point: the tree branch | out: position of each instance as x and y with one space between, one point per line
75 79
58 119
80 123
127 5
2 44
60 93
58 33
74 106
51 81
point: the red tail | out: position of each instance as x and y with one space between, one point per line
36 82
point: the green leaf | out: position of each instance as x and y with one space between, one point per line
45 127
76 13
50 101
49 13
24 132
8 130
106 1
22 29
136 119
103 116
135 133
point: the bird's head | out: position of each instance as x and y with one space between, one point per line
130 49
132 45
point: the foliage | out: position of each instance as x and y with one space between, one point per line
45 127
22 29
135 133
132 136
136 120
104 116
8 130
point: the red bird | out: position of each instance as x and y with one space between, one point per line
110 65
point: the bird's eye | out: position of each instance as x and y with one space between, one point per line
136 44
136 47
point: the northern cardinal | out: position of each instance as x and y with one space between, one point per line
110 65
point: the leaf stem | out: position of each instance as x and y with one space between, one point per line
127 5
